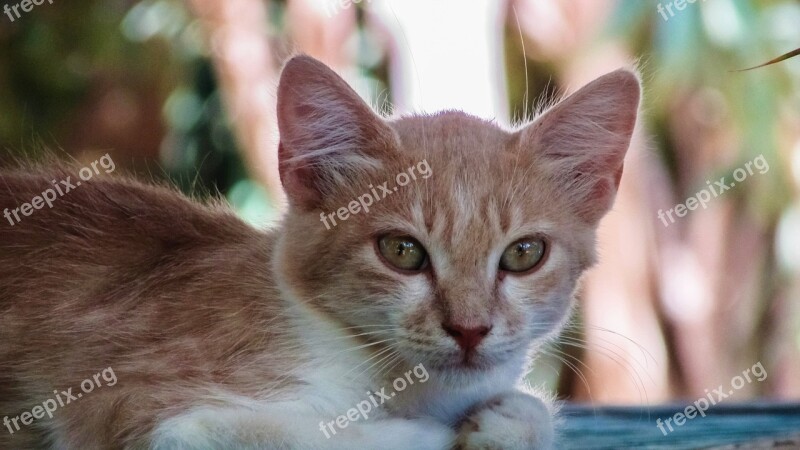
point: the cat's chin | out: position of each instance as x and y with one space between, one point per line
471 373
471 367
472 364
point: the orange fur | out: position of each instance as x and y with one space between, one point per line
198 312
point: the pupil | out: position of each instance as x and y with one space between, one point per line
402 247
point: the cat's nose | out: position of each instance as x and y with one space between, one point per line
467 338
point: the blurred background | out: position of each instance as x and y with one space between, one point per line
184 91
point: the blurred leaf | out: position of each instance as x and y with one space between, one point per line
783 57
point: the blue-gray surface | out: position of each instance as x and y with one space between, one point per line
626 427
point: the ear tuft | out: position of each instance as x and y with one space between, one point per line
328 134
582 140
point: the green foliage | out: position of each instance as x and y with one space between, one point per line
51 57
696 51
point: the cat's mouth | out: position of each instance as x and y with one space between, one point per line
450 359
470 361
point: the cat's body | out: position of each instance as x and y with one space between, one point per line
224 336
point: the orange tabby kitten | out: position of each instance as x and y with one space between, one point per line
221 336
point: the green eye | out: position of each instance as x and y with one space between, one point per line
522 255
403 252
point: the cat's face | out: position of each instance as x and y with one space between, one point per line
472 250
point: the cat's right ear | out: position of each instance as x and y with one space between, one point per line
328 135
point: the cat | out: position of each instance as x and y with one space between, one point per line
222 336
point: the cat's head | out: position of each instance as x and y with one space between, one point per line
452 240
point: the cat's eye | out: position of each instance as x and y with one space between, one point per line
403 252
523 255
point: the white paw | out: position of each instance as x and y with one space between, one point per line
511 421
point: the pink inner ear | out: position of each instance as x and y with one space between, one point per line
618 176
594 190
298 181
601 197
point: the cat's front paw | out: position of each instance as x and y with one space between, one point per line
510 421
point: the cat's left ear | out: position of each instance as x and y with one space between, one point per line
329 137
583 139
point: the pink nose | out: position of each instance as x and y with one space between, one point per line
467 338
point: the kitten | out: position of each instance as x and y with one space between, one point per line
221 336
